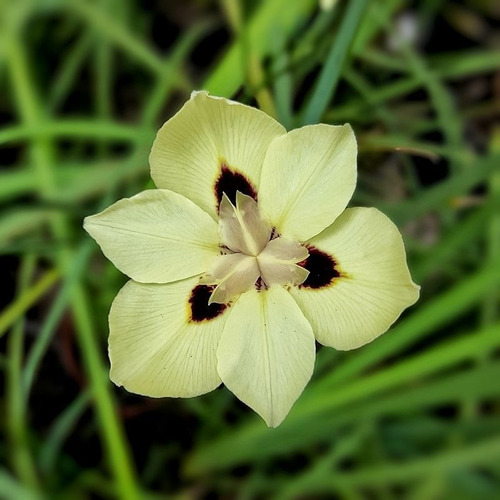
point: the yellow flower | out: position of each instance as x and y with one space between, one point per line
244 256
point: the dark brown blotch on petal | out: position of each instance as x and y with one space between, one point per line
322 269
198 304
260 284
230 181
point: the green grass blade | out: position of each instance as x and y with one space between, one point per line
54 316
445 307
254 439
68 72
26 299
469 456
330 74
457 238
19 449
60 430
114 31
441 195
43 156
78 129
271 15
444 66
11 489
442 101
14 183
15 223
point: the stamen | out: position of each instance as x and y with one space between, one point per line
241 227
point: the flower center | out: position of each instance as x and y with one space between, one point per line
251 251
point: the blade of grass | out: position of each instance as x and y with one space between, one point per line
14 183
19 452
445 66
282 83
271 15
43 157
357 81
431 361
165 84
68 72
440 391
57 309
354 109
233 13
378 14
12 489
489 311
103 64
26 299
402 143
380 59
469 456
492 303
445 307
320 24
441 195
458 237
98 19
253 440
307 482
19 221
442 102
330 74
60 430
77 129
254 77
82 180
465 63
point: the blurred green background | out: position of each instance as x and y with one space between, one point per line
84 85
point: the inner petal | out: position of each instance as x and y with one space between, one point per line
241 227
278 262
233 274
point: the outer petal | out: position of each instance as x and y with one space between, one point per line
266 352
154 347
208 132
374 286
308 178
157 236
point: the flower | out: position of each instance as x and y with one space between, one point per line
244 256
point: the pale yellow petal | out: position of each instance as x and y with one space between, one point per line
308 178
156 348
207 134
266 352
374 285
157 236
